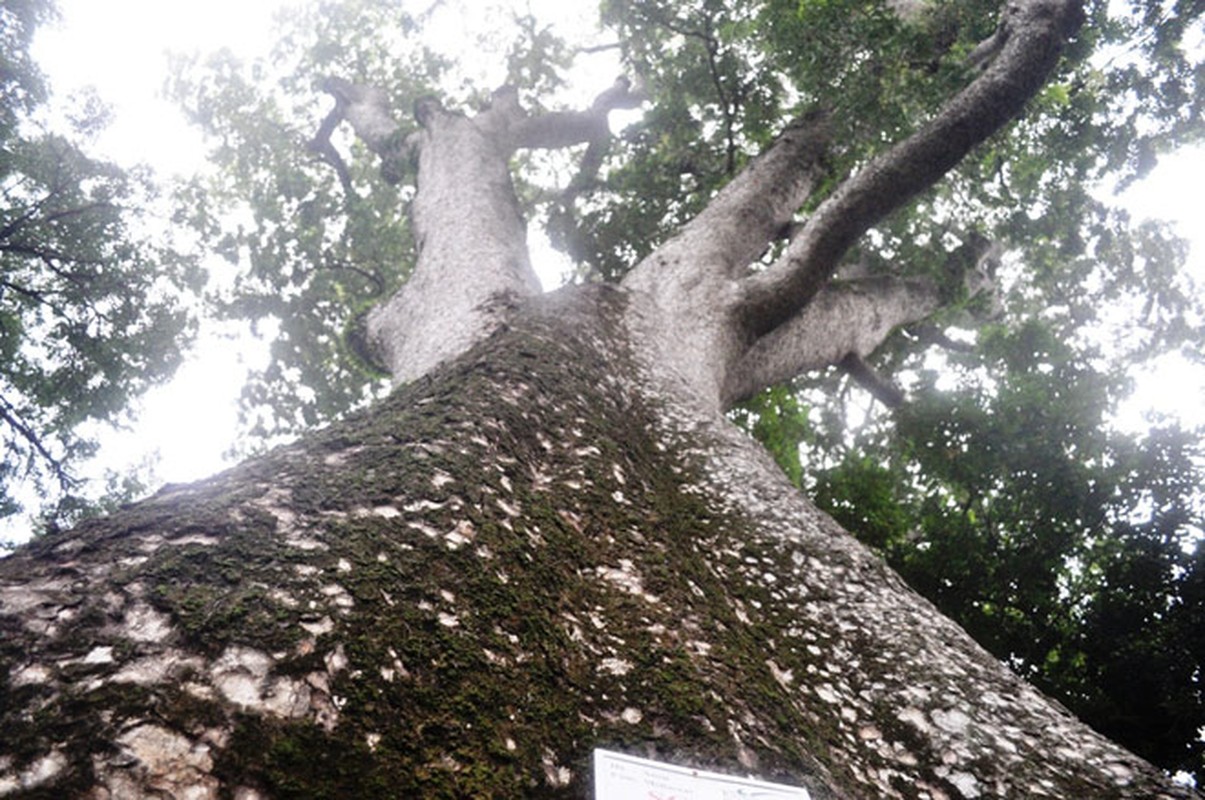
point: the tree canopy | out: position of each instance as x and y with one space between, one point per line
986 471
92 309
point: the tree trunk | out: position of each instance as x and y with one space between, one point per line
548 539
463 591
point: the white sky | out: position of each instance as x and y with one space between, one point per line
120 47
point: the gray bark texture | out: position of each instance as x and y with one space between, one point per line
548 539
463 591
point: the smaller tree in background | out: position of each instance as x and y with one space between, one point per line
91 308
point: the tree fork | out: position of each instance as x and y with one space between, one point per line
1022 59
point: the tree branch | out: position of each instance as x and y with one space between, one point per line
879 387
566 128
16 224
846 318
321 146
932 335
367 110
599 48
729 106
10 416
745 216
852 316
560 129
1037 31
31 211
35 295
49 255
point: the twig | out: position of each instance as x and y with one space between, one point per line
9 414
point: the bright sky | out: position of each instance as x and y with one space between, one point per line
121 46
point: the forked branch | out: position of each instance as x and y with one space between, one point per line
465 217
1021 62
847 318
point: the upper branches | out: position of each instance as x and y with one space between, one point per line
472 251
1025 47
367 109
738 329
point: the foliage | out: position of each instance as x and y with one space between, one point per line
305 256
89 308
999 489
1069 550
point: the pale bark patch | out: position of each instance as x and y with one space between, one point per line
165 762
32 675
38 603
241 675
615 666
142 623
318 627
339 596
43 770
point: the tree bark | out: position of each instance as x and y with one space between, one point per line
465 590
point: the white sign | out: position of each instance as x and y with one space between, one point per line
623 777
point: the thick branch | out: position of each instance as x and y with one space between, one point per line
564 129
690 284
567 128
745 216
368 111
845 318
852 316
1037 31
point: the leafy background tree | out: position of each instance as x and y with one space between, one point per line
991 477
93 310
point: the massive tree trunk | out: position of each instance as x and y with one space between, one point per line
548 539
461 592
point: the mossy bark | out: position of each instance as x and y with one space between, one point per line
464 590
